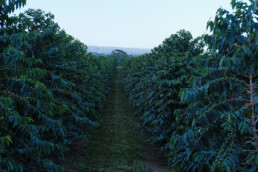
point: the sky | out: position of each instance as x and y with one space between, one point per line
129 23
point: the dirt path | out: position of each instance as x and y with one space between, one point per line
117 145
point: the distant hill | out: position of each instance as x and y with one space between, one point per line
99 50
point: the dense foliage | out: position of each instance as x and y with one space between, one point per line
50 89
202 106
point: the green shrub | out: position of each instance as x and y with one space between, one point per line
197 103
50 93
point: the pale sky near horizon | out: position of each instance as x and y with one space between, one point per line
129 23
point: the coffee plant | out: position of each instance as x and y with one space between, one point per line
51 90
202 105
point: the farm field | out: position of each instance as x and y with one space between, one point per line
188 104
117 144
